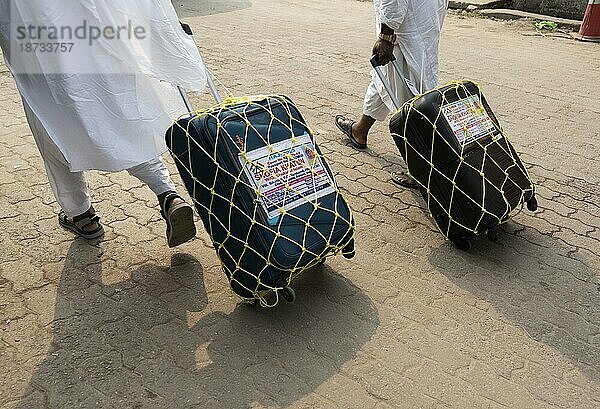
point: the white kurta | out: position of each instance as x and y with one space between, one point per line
418 25
107 103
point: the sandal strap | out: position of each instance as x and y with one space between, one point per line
86 221
164 209
345 131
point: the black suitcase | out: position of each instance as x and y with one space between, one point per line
468 172
265 193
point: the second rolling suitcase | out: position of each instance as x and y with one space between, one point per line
468 172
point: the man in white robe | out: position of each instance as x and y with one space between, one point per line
410 31
98 81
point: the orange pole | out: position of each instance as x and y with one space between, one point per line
590 28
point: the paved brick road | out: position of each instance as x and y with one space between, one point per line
411 322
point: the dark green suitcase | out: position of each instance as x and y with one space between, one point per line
265 193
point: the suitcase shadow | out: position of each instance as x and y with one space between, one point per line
153 340
537 284
196 8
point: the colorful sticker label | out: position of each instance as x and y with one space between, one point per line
287 175
468 119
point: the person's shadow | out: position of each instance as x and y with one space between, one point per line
152 340
537 283
195 8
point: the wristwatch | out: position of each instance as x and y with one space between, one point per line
390 38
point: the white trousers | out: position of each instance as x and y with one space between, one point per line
70 188
377 104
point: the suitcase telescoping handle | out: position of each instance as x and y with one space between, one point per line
386 84
209 76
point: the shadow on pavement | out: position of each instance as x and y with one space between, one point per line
195 8
393 162
152 341
535 283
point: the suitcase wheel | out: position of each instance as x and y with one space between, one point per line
350 255
463 244
349 251
532 204
288 294
493 235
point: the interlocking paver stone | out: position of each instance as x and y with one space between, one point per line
410 322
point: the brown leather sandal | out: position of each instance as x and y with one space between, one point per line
404 180
347 130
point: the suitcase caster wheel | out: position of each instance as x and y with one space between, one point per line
349 251
463 244
493 235
349 256
532 204
288 294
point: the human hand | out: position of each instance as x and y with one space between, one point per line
186 28
384 50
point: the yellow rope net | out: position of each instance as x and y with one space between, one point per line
484 174
264 191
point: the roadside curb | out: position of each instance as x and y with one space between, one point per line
477 4
507 14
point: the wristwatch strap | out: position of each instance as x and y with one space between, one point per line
390 38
